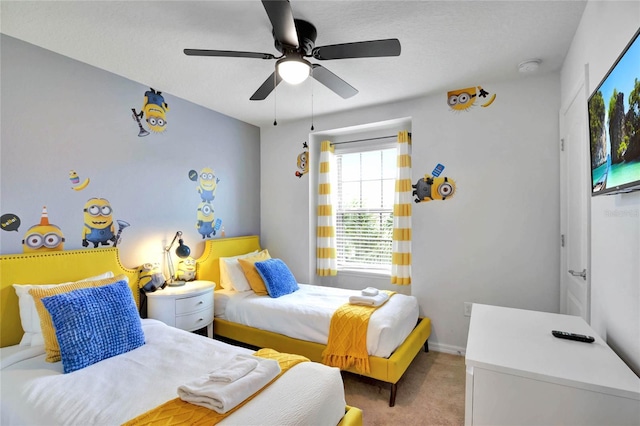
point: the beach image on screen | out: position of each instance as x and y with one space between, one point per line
614 125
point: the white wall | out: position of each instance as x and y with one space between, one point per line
496 241
59 114
604 31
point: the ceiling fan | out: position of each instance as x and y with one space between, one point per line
295 40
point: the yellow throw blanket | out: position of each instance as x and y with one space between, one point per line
178 412
347 345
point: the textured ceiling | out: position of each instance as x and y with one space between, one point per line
446 45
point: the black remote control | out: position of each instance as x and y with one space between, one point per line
573 336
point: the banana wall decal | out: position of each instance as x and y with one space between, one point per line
75 180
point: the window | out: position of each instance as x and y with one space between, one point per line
364 213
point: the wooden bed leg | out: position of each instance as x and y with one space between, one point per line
426 346
392 397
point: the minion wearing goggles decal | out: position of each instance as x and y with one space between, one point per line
98 223
44 236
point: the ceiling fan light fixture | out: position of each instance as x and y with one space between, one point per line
293 70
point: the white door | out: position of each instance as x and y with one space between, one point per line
575 205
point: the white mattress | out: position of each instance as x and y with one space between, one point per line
120 388
306 315
220 302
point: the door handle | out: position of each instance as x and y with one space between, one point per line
582 274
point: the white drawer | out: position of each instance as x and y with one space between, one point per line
195 320
192 304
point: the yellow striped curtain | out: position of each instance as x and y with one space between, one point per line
401 254
326 263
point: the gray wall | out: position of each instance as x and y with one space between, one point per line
60 115
604 31
495 242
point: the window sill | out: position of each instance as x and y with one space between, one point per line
364 272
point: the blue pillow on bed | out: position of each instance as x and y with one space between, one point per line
277 277
94 323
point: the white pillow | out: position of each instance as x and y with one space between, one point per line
29 314
231 273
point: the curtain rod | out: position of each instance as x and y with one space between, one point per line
367 139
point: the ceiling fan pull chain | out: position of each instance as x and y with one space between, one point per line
275 96
312 100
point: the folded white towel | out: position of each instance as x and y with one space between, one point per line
376 300
222 397
370 291
239 366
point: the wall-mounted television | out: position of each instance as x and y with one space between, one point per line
614 125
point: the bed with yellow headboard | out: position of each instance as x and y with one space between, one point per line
154 367
51 268
388 370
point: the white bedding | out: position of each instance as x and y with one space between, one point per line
120 388
312 307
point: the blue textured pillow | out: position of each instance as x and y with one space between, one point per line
94 323
277 277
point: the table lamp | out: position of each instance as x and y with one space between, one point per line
182 252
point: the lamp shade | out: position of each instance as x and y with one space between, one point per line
182 251
293 70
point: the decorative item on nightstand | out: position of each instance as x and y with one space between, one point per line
182 252
150 277
186 269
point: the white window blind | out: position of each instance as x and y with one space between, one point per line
364 211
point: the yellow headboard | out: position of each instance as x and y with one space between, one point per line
51 268
208 264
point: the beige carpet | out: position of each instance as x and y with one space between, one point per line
431 392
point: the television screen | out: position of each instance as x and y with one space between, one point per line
614 125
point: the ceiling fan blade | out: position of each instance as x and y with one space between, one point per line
228 53
333 82
281 17
361 49
267 87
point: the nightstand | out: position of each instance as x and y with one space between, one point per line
188 307
517 372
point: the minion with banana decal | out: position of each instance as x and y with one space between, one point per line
463 99
98 223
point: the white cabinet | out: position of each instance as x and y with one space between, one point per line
519 374
188 307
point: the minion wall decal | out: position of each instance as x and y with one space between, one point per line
154 112
207 184
98 223
206 223
75 181
434 187
205 220
44 236
303 161
463 99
